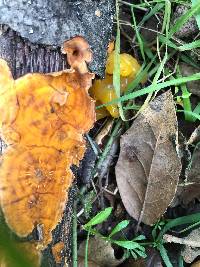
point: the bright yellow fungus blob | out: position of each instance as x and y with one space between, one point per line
129 65
103 90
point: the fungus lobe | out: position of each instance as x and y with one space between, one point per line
43 118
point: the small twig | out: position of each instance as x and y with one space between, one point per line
104 131
95 190
110 192
182 241
80 213
114 134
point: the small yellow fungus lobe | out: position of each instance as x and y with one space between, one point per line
129 65
103 90
42 120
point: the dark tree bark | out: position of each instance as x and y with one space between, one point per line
52 22
25 57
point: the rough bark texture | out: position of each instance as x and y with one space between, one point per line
24 57
52 22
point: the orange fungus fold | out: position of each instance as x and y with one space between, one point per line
43 118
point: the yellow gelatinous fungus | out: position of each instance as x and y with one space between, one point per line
43 121
103 90
129 65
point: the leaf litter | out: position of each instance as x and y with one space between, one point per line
101 252
148 168
191 186
152 160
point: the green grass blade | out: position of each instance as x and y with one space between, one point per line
189 219
185 47
197 109
116 72
164 255
197 16
86 249
190 46
166 19
140 42
99 218
189 227
152 12
165 40
153 88
194 116
185 99
184 18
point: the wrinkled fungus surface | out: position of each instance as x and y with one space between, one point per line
43 119
103 90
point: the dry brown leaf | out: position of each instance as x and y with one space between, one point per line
190 253
43 119
153 259
196 264
148 168
100 252
195 136
194 170
190 189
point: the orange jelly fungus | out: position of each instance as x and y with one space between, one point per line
103 90
57 251
42 120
